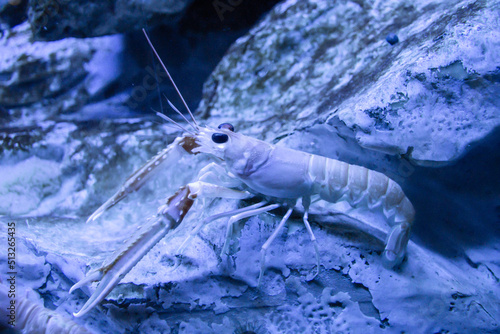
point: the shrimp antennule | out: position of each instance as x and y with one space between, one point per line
165 117
177 111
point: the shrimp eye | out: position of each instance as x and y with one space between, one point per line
228 126
219 138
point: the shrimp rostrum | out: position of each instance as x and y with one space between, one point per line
247 167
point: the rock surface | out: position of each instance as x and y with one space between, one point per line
55 19
12 13
312 76
429 96
41 80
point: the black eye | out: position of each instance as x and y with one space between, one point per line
219 138
228 126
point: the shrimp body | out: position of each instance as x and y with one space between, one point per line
290 174
287 173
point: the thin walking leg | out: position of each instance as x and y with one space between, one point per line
313 239
269 241
246 214
306 202
215 217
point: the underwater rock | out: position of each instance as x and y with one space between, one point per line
12 13
39 80
71 166
429 96
310 75
56 19
30 316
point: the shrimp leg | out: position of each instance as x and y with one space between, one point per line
306 202
237 217
213 173
268 242
215 217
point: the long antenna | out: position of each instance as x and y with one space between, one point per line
157 82
171 80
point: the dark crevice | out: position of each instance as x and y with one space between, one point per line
449 224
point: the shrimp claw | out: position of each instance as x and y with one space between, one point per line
111 273
168 217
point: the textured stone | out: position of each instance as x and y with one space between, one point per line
12 13
429 96
55 19
39 80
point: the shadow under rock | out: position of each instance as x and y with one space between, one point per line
458 206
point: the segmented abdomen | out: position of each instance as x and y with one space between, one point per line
336 180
